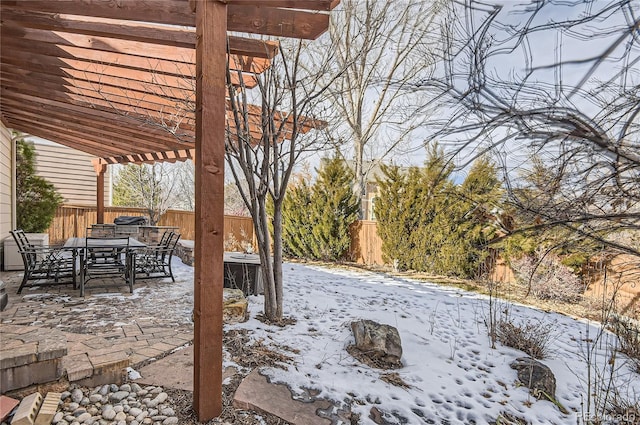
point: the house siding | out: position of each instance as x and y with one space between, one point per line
70 171
6 187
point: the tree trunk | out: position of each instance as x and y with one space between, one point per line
358 172
261 226
277 256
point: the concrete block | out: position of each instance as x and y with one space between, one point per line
34 373
48 409
51 348
19 356
78 367
27 410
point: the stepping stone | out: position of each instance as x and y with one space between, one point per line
257 393
174 371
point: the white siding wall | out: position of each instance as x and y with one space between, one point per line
70 171
6 184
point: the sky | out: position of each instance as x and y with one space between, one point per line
455 377
539 50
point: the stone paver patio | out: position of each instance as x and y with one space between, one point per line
105 331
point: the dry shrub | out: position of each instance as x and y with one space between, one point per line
373 359
506 418
532 338
628 333
395 379
248 353
547 278
627 412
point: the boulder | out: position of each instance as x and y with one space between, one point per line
378 342
234 306
537 377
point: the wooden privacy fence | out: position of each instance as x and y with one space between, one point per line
366 245
72 221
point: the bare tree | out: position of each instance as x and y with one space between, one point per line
558 81
280 107
149 186
184 176
233 202
267 128
380 48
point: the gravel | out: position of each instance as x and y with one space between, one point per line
133 404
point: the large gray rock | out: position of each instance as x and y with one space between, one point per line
377 342
537 377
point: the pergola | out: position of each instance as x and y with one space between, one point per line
133 81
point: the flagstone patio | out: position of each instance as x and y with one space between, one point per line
52 333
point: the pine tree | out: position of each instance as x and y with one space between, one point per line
434 224
395 213
296 225
36 198
476 201
334 208
427 223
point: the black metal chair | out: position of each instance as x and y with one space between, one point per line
155 261
106 257
45 266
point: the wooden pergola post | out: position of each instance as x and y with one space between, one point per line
101 169
211 47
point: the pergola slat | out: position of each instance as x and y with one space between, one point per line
125 52
20 50
135 31
119 138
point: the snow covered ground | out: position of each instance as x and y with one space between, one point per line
454 375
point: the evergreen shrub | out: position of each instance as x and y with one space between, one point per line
36 198
316 219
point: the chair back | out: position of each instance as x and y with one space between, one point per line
165 237
105 249
172 241
25 248
169 246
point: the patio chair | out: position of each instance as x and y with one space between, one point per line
155 261
44 266
104 258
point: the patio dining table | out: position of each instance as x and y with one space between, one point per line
82 244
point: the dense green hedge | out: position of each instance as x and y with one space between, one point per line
316 218
428 223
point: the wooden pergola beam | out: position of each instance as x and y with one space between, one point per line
266 18
134 125
39 56
211 29
168 59
149 157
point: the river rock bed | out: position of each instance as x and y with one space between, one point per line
127 404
